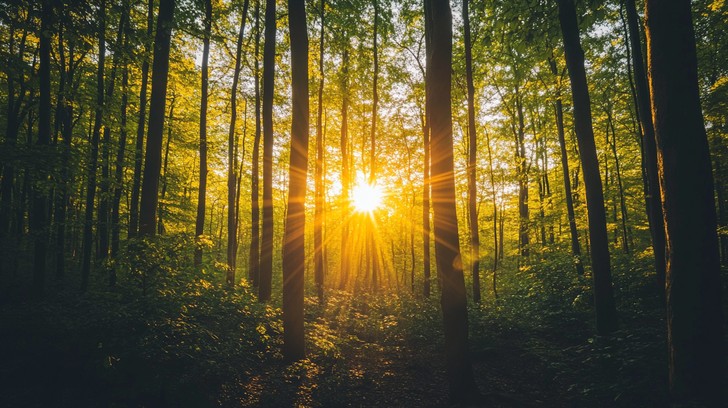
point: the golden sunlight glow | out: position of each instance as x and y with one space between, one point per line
366 197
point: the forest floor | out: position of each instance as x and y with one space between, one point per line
386 351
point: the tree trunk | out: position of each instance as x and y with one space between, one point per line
447 248
119 171
158 99
94 152
232 226
139 144
472 159
522 172
574 231
345 172
105 185
694 315
266 249
66 118
202 190
39 217
254 257
165 162
654 205
495 211
426 186
620 185
318 242
293 246
606 313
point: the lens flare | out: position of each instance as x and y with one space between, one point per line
367 197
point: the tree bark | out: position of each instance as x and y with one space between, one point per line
266 249
318 241
254 257
447 248
232 226
574 231
426 186
94 154
204 89
472 160
620 185
654 205
119 170
345 172
39 217
158 99
105 185
139 144
606 313
65 102
293 245
522 172
694 315
165 162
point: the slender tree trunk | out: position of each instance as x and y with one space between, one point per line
472 160
293 246
165 162
139 144
654 205
266 249
447 248
426 180
232 227
522 170
568 195
345 172
495 212
694 314
94 153
254 257
574 231
202 190
8 170
39 218
620 186
426 267
66 115
105 185
606 313
318 242
158 99
372 247
119 171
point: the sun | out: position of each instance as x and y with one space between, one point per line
367 197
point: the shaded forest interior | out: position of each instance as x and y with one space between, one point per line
366 203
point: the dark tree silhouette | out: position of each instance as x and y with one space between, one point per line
39 216
447 247
94 155
266 242
472 159
232 225
606 313
202 190
139 142
318 241
294 259
694 314
654 205
157 101
254 261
